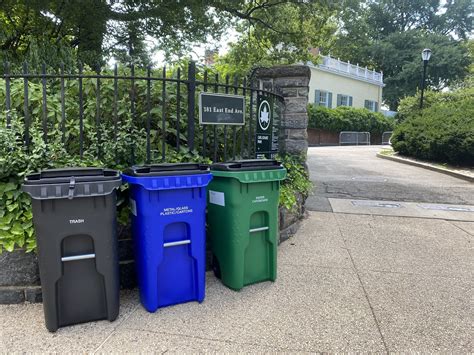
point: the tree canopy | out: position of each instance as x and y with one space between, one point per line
296 27
389 35
95 29
386 35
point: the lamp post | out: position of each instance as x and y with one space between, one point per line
425 55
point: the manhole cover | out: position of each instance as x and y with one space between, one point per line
447 208
375 204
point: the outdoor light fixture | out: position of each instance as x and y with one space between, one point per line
425 55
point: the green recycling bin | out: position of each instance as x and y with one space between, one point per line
243 220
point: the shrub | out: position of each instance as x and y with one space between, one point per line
443 132
297 180
410 105
345 118
16 228
16 219
63 150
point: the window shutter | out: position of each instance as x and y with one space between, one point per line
339 99
367 104
330 99
317 97
376 106
350 100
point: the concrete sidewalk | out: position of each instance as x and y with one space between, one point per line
345 283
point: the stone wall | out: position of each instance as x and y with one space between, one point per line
19 277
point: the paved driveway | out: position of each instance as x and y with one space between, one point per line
346 282
355 172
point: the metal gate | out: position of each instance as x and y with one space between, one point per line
156 108
354 138
386 136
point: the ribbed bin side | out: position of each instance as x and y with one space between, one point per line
168 223
77 290
243 229
74 216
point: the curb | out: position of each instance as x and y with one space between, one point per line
427 166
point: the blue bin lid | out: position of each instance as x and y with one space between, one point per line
168 176
167 169
248 165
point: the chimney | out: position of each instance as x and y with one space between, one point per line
314 51
210 56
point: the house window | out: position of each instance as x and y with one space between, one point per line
371 105
344 100
323 98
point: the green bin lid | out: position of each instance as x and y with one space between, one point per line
167 169
247 165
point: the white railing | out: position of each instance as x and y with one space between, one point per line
350 69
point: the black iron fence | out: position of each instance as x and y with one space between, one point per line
157 110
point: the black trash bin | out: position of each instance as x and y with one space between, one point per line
74 215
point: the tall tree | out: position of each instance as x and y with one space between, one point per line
97 28
42 29
280 33
399 56
389 35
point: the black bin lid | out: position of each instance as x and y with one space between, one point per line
247 165
167 169
61 176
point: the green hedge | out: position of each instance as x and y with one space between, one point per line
345 118
443 132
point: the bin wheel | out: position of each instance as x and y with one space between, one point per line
216 267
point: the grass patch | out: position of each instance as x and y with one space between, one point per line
387 152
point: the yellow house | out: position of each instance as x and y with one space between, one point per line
336 83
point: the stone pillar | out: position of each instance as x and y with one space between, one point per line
292 82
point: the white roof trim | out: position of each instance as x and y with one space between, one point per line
345 74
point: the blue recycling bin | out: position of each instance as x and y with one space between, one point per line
168 206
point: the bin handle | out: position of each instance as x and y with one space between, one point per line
254 230
72 186
78 257
173 244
